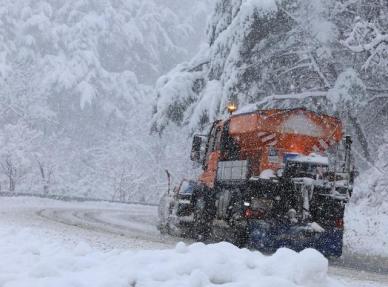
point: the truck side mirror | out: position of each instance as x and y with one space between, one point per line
196 149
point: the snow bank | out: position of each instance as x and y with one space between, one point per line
366 229
366 216
28 260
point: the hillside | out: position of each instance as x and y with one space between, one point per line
325 55
76 91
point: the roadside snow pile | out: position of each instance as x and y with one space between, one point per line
366 229
366 216
31 261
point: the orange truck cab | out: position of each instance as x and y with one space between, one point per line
265 139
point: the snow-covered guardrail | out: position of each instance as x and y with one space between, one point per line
71 198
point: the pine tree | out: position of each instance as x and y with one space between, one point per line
302 50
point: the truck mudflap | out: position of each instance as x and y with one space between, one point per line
269 237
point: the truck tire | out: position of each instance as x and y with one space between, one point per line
240 232
241 237
201 228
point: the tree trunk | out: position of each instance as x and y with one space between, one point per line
360 136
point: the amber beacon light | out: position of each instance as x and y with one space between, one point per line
232 107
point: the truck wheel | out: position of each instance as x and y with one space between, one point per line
241 238
240 234
201 224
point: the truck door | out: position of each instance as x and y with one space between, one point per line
208 176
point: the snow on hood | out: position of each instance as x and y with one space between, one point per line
312 158
267 174
29 260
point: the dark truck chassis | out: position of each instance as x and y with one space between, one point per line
263 214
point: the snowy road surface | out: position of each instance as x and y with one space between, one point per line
107 227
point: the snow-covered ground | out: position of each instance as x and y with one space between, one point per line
367 214
367 229
103 226
43 262
52 243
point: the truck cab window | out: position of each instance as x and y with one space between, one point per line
229 148
217 145
211 143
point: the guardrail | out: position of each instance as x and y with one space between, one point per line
71 198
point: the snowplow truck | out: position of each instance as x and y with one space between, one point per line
271 178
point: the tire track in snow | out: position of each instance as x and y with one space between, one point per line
369 278
132 226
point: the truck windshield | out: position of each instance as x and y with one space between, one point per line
305 169
230 150
187 187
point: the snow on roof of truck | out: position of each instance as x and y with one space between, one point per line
288 121
248 110
312 158
270 99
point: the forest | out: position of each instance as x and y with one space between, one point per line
98 99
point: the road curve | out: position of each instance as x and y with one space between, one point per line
139 223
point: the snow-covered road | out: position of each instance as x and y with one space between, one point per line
101 225
107 226
136 223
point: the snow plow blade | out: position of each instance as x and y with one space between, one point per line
265 237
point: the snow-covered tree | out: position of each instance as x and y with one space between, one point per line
328 56
256 49
285 54
18 144
79 74
348 98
